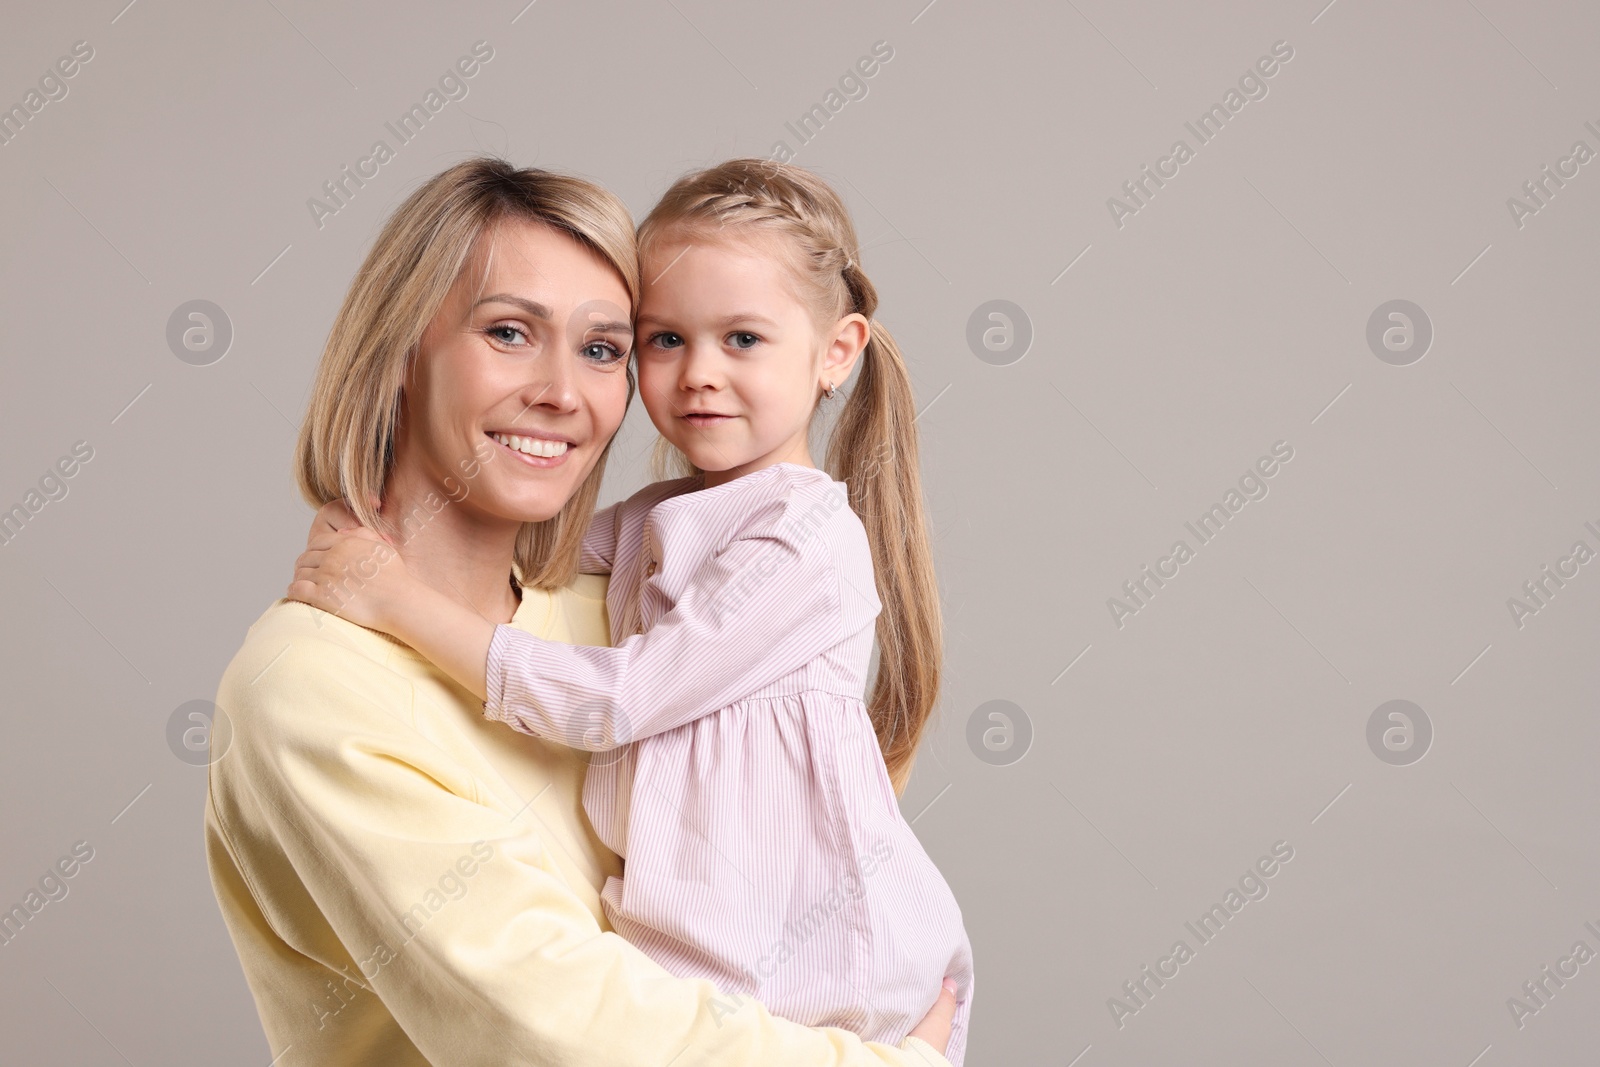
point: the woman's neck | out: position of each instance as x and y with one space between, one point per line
464 555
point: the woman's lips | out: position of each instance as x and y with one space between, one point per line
534 451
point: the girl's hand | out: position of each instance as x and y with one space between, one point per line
352 573
331 518
935 1026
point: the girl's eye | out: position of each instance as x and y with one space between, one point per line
507 334
743 340
603 352
666 339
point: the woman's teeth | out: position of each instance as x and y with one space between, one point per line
533 446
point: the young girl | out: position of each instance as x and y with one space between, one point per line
747 784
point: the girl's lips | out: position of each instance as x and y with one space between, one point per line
706 420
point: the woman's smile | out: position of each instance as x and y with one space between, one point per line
536 450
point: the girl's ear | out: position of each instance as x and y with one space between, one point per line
850 337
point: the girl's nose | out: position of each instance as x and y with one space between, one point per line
699 368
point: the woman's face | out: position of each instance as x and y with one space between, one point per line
520 380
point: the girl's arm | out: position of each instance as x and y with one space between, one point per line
753 613
600 541
357 575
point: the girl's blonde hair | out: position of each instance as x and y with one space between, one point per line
346 444
874 445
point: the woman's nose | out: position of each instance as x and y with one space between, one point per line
552 383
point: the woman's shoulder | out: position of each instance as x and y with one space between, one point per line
296 660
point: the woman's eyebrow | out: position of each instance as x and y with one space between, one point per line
537 310
611 327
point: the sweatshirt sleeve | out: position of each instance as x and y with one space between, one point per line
754 611
599 552
331 801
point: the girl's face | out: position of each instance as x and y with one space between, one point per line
730 361
520 380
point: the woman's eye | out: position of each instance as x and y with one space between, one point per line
603 352
666 339
743 340
507 334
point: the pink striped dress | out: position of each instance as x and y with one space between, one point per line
736 768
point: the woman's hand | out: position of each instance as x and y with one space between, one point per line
935 1026
353 573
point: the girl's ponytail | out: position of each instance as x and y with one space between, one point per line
874 452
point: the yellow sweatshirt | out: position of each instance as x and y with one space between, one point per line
407 882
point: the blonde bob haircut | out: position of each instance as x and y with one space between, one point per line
346 444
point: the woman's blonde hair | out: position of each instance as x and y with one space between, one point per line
874 445
346 444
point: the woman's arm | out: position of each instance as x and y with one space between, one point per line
331 804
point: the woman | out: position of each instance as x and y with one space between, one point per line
405 881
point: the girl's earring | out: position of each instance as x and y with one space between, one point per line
830 390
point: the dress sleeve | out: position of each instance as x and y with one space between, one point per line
752 613
450 904
600 541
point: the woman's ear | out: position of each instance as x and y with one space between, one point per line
850 337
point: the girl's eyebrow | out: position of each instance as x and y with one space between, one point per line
726 321
745 316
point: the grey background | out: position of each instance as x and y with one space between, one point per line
1230 313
